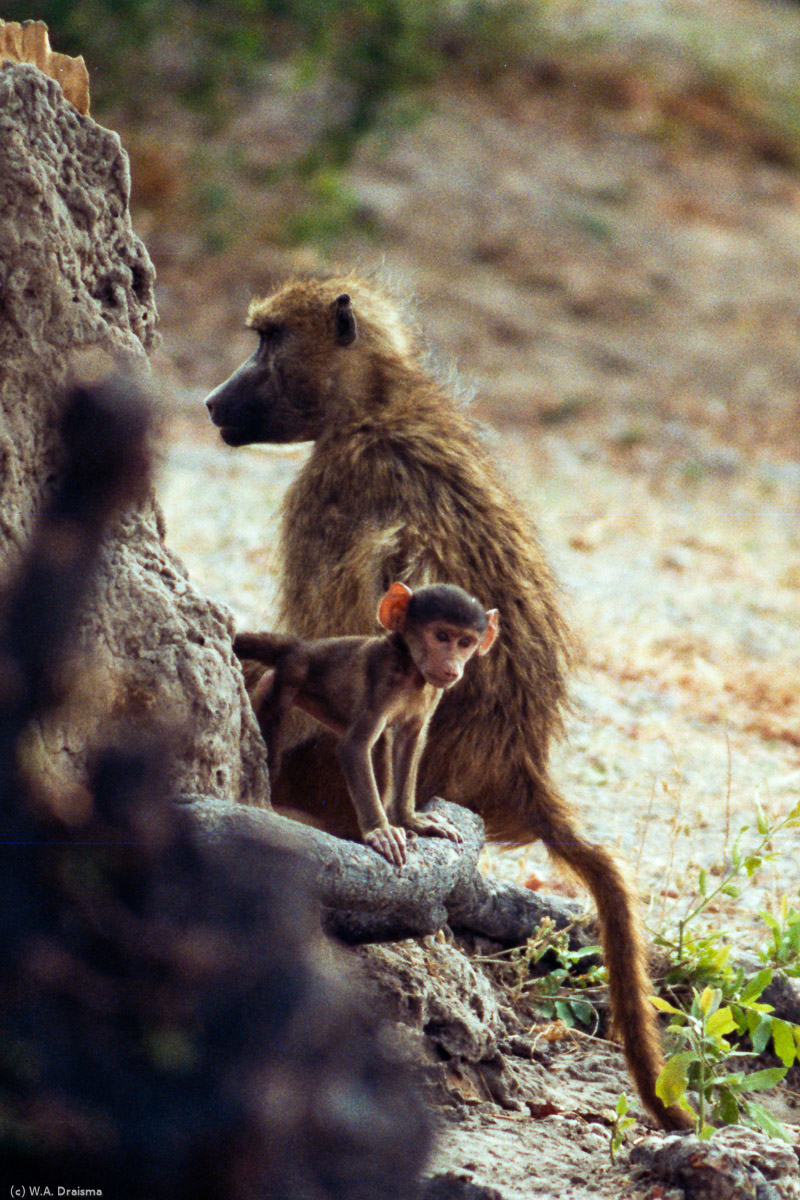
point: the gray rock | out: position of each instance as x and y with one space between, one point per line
74 277
738 1162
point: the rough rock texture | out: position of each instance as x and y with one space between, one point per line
737 1163
522 1110
73 276
452 1021
435 988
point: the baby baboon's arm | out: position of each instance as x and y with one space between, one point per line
355 755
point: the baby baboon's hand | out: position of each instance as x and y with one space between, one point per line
389 842
433 825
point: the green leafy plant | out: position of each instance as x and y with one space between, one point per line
550 990
705 956
741 862
783 951
622 1124
702 1066
729 1002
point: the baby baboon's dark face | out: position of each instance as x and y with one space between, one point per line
283 391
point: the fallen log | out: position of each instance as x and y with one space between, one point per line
365 899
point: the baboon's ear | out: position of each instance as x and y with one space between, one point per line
393 607
346 330
493 619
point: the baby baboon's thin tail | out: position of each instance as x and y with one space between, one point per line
265 648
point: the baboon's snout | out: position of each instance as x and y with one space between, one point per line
214 402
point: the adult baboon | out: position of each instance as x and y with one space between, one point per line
398 487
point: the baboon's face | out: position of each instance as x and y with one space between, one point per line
285 390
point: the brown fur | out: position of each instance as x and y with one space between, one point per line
398 486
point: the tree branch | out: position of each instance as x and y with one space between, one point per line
365 899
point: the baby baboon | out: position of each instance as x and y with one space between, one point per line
398 486
378 695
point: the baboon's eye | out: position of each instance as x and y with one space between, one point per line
270 335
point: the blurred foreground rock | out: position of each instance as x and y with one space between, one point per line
172 1022
75 278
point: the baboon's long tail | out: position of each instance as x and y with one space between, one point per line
633 1016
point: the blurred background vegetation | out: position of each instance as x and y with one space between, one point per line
356 66
594 200
209 53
